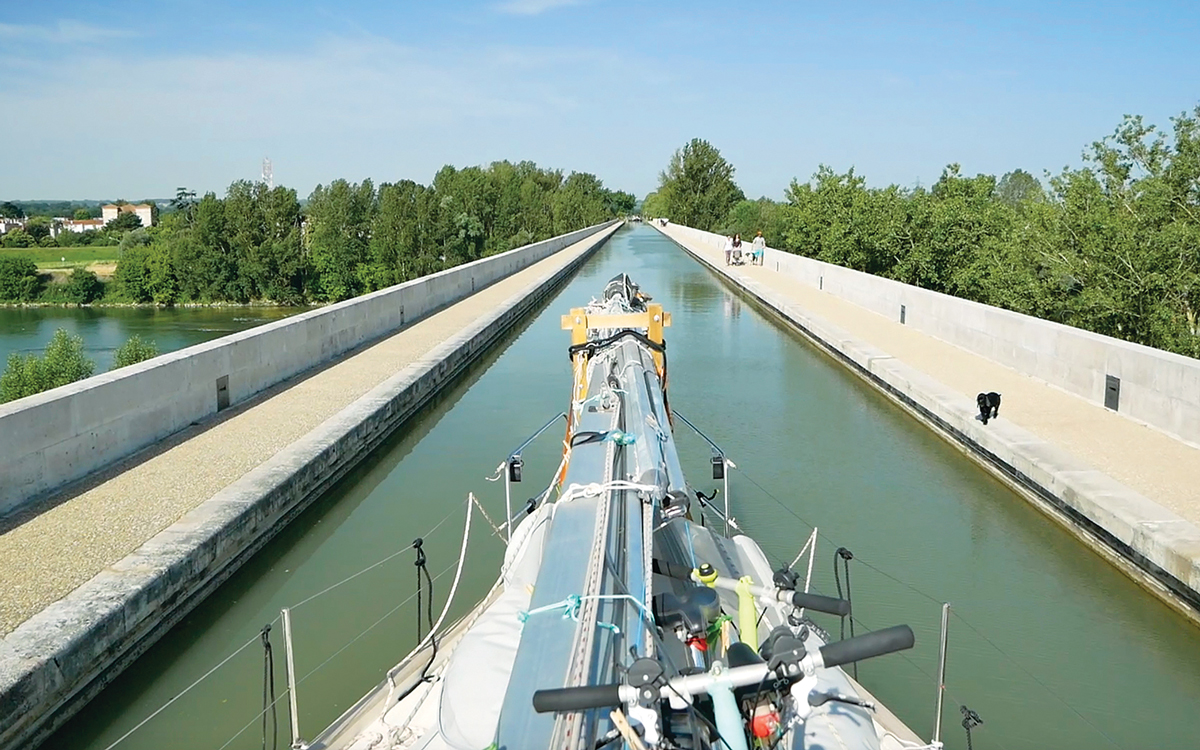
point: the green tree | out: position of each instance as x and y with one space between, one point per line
655 204
10 210
124 222
19 279
38 228
620 203
83 287
82 213
698 186
185 203
747 218
340 217
134 350
1018 188
398 233
63 362
17 238
581 202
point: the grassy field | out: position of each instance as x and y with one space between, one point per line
63 257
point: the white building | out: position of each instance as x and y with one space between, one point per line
75 225
144 211
7 225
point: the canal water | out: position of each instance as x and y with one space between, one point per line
1048 644
27 330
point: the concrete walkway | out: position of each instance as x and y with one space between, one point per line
1163 470
93 525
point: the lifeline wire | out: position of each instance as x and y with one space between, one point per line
914 665
332 656
958 616
371 627
256 639
1035 679
369 568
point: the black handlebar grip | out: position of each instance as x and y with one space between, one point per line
826 604
576 698
672 570
895 638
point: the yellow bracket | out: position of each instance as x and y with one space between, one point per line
653 321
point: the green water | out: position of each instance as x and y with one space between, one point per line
1050 645
27 330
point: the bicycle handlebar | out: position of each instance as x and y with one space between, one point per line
577 698
827 604
877 643
861 647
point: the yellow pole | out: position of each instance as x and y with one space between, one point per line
747 613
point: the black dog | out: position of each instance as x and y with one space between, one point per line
989 405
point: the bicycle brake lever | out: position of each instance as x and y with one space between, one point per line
819 699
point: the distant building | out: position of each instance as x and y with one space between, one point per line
75 225
144 211
7 225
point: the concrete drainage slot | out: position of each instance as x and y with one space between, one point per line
222 392
1112 392
902 311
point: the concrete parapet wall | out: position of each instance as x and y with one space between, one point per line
53 438
62 657
1153 545
1158 388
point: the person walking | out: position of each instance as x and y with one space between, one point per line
759 246
728 250
737 249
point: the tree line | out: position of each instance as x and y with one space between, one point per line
257 243
1112 246
260 244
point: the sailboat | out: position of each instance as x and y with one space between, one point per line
630 609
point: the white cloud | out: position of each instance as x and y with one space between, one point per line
534 7
64 32
348 107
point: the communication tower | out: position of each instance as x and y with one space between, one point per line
267 176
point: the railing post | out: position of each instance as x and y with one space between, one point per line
941 686
508 498
297 743
812 554
728 464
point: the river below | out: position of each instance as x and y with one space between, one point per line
1048 643
27 330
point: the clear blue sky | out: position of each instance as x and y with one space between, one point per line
131 99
